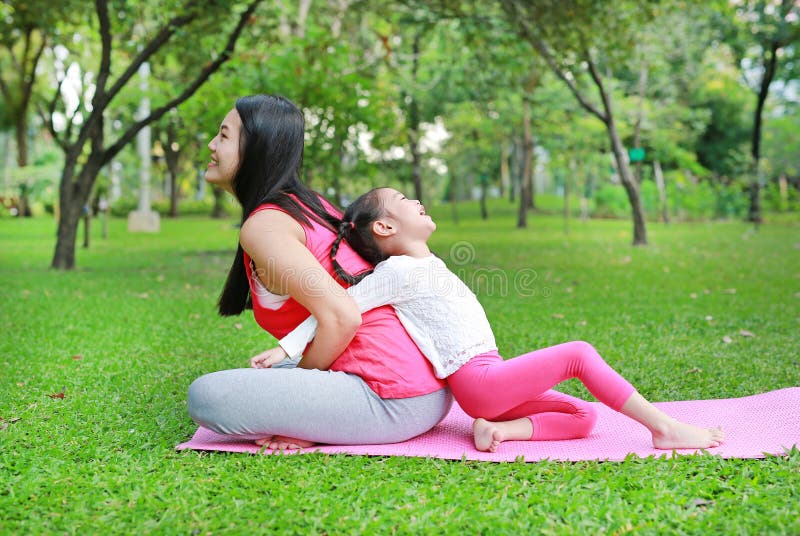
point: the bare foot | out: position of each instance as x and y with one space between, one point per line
487 435
679 435
284 443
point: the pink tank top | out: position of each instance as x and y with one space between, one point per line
381 353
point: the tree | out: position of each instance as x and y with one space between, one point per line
88 151
24 34
771 30
420 32
586 39
425 67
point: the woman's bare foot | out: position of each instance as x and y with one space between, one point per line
679 435
488 435
263 440
283 443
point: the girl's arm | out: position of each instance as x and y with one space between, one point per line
383 286
276 244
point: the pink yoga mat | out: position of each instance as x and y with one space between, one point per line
768 423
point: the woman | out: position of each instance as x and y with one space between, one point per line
362 380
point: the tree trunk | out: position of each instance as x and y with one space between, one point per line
662 190
173 160
68 217
530 87
531 176
572 172
73 196
514 171
218 212
484 194
416 167
173 193
64 256
414 121
637 128
21 128
505 175
754 212
770 65
74 189
87 220
454 195
527 159
630 184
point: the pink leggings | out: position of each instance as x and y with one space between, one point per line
498 390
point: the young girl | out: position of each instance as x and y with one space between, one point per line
510 400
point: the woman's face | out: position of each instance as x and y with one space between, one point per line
225 152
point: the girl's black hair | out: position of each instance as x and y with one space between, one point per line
270 161
356 229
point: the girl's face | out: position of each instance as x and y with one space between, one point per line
408 215
225 152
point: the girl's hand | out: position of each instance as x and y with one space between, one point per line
268 358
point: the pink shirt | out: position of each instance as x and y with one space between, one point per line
381 353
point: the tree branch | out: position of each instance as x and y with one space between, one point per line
49 119
93 124
599 82
770 66
545 52
207 71
14 60
164 34
25 51
50 128
4 89
30 77
36 57
101 6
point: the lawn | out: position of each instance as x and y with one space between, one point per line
122 337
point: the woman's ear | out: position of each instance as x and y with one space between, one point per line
383 228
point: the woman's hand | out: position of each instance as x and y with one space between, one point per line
270 357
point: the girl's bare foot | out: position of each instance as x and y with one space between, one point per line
487 435
679 435
283 443
669 433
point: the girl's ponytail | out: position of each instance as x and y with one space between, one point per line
356 229
344 229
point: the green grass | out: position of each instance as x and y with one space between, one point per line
125 334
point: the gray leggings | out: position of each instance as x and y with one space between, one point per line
320 406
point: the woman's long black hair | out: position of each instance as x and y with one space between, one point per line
270 161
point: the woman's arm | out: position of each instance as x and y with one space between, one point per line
276 243
385 285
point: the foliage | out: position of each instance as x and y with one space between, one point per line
351 66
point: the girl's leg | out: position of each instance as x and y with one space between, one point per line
669 433
310 405
550 416
492 388
489 387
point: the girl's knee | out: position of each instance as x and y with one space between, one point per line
583 348
588 418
